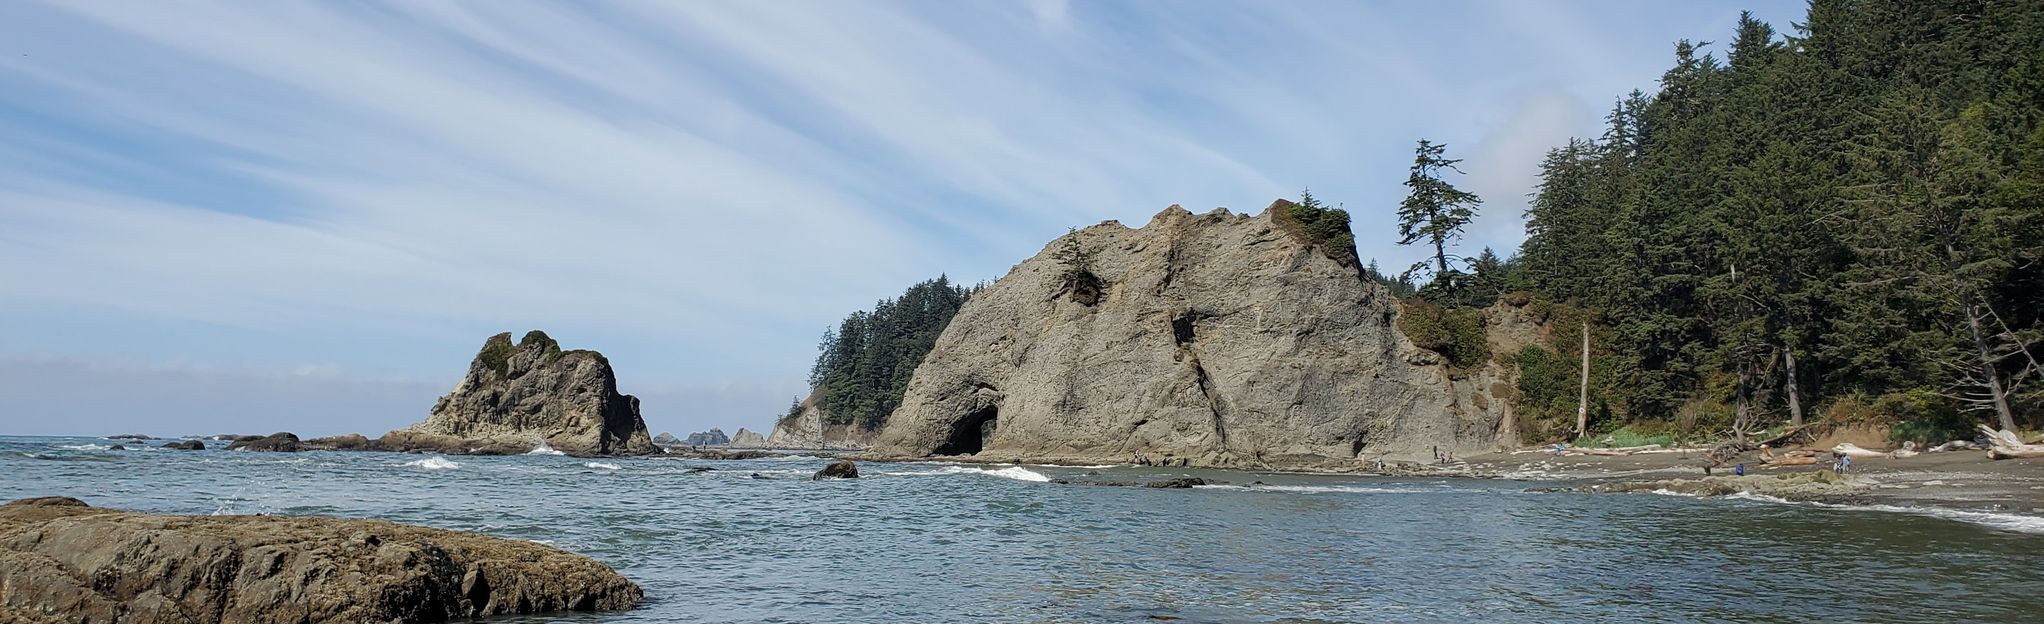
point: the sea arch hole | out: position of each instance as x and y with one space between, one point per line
969 435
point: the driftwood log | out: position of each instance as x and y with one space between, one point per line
2003 444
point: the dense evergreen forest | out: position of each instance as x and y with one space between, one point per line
863 366
1846 222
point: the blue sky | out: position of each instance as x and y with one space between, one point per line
259 216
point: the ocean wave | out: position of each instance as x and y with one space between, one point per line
434 463
85 447
543 449
2019 523
1320 489
1017 473
602 466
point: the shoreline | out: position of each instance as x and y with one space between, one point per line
1943 484
1956 481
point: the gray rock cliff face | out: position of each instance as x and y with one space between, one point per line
64 561
517 395
1217 340
811 429
747 438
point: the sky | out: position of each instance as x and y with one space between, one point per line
308 216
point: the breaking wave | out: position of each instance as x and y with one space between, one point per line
543 449
1321 489
602 466
1017 473
2005 521
85 447
433 463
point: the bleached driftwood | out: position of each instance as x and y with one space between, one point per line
1955 445
2003 444
1792 461
1853 450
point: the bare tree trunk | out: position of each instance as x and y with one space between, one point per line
1999 395
1795 394
1742 418
1583 397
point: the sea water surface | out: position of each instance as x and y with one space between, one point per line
937 543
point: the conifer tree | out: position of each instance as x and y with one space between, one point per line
1434 211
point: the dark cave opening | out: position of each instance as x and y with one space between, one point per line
970 434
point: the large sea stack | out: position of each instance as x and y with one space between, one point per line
1216 339
517 396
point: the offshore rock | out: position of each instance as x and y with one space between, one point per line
1217 340
280 442
713 437
64 561
840 469
517 396
666 439
747 438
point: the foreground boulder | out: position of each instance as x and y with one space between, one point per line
516 397
61 560
1203 340
840 469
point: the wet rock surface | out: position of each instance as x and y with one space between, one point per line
64 561
840 469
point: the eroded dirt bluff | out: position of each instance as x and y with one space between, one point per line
1220 340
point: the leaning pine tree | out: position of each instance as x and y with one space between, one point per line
1435 212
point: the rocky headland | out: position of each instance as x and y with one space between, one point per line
811 428
64 561
1220 339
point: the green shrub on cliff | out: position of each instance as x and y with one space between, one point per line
1455 333
497 355
1324 226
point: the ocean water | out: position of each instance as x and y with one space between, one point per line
938 543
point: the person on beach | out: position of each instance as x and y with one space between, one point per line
1739 470
1844 463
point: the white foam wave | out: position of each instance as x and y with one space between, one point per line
84 447
433 463
1017 473
543 449
2005 521
1320 489
602 466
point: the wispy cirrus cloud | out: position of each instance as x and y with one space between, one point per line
697 189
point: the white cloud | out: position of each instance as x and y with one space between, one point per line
696 189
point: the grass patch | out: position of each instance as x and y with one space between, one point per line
1632 435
